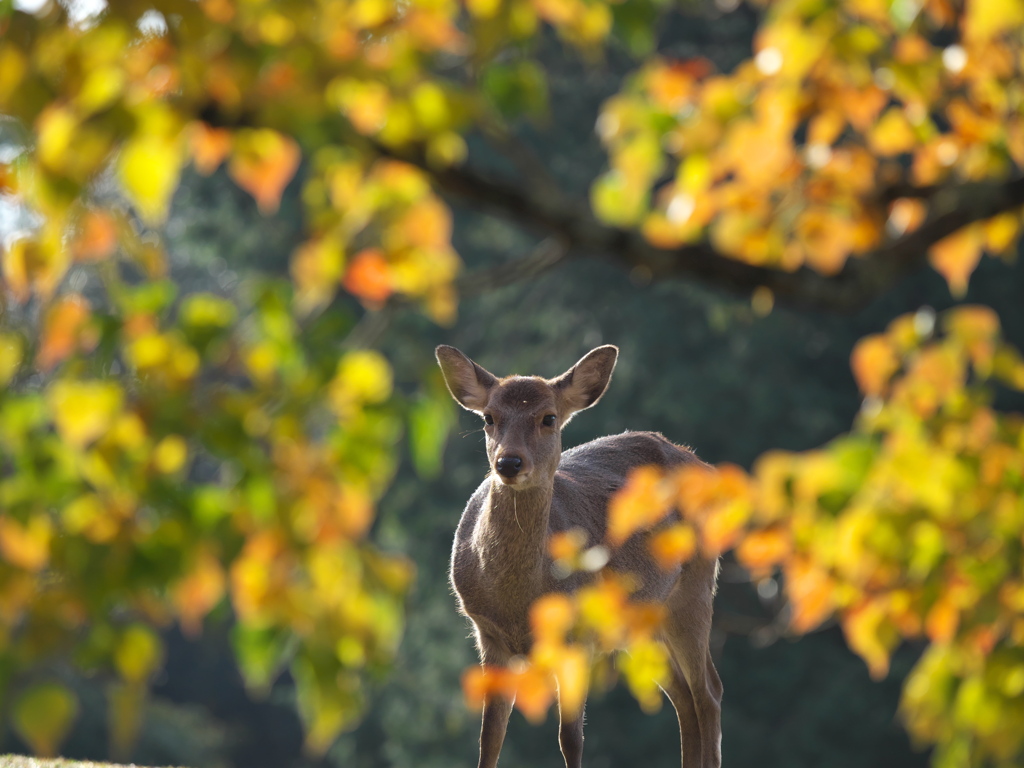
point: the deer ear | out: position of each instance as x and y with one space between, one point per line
469 384
583 384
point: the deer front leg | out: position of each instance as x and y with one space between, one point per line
492 730
570 736
496 708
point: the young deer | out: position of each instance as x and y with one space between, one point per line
500 563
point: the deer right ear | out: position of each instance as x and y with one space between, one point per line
469 384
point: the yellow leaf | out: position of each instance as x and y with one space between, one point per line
43 716
35 263
149 168
11 348
985 19
646 668
315 267
956 256
363 376
84 410
572 671
170 454
866 635
138 653
893 134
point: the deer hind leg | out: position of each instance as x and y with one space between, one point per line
687 629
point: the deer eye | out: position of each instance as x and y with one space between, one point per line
488 419
549 420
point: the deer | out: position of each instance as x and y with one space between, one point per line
500 563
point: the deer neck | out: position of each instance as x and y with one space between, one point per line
511 535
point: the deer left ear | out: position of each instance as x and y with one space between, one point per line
582 385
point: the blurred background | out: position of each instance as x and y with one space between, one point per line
701 363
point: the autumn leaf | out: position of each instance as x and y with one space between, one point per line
262 163
759 551
62 330
369 276
84 410
209 146
673 546
97 237
148 168
874 361
955 257
812 593
868 636
24 545
642 503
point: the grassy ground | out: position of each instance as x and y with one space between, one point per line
19 761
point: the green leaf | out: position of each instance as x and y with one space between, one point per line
261 655
138 653
328 703
429 422
516 89
44 715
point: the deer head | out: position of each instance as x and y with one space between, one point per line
524 415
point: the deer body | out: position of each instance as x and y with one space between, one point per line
500 562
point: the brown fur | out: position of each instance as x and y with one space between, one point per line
500 563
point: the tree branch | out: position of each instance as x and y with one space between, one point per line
862 279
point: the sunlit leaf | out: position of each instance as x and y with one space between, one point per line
84 410
262 163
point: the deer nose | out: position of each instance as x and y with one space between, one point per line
508 466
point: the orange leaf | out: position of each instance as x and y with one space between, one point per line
369 276
197 593
427 224
642 502
811 592
210 146
97 237
758 551
721 528
263 162
26 546
956 256
673 546
551 617
62 330
535 692
565 546
943 619
874 361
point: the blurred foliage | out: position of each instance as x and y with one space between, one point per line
170 450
